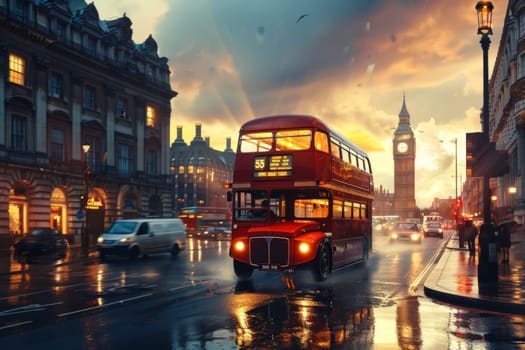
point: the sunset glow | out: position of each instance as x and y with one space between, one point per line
348 63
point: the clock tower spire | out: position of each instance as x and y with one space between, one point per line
404 166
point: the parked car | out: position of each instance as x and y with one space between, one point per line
406 231
41 242
434 229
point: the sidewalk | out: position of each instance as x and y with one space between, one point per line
454 279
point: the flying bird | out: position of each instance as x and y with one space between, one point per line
301 17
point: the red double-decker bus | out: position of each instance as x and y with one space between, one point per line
198 219
301 197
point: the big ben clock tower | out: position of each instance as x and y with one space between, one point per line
404 166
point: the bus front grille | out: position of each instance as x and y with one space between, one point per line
269 251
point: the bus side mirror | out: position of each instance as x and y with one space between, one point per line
229 196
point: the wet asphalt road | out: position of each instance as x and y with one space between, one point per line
193 301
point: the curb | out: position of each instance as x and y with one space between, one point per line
478 303
432 289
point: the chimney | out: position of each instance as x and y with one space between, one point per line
179 134
207 139
228 145
198 136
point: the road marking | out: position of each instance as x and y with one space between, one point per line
122 301
68 286
27 308
182 287
15 325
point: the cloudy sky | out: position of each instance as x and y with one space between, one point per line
348 62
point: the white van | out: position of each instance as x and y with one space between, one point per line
139 237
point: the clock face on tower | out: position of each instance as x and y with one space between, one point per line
402 147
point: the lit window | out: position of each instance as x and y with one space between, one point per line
293 140
256 142
321 141
17 67
356 210
335 149
151 116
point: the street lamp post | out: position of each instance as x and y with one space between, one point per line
84 198
459 203
484 10
487 263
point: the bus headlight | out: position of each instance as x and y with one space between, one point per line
239 246
304 248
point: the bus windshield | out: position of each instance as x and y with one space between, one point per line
285 140
293 140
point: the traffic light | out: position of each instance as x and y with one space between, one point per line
459 202
83 200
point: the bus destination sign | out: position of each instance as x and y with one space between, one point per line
269 166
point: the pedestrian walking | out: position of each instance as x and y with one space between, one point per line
470 232
504 241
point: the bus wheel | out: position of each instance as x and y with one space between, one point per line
322 265
242 270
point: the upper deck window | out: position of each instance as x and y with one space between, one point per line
293 140
335 149
321 141
256 142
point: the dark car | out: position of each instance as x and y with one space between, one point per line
41 242
406 231
433 229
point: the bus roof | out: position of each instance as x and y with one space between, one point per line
294 121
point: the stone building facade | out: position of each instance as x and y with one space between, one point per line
200 172
67 80
506 121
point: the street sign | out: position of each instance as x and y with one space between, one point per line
80 214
